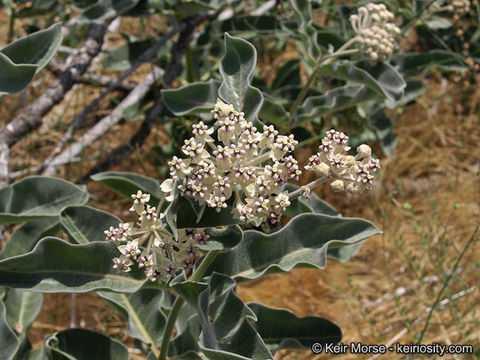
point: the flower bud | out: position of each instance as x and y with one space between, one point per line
364 151
322 169
337 186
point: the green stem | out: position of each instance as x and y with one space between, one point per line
447 280
172 317
322 60
179 302
11 26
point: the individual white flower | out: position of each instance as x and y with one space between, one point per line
130 250
218 203
202 132
122 264
139 201
282 201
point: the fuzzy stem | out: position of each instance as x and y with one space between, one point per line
322 60
179 302
312 185
11 26
260 159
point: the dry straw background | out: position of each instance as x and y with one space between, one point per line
427 203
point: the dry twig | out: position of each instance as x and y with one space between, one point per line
31 117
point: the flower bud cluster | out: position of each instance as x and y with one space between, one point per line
235 159
459 7
376 30
149 244
346 172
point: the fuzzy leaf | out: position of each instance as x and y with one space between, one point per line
85 224
13 77
142 309
7 337
187 217
225 320
127 183
106 9
123 57
38 197
303 242
302 205
37 48
273 112
57 266
22 309
416 63
191 98
334 100
237 68
26 236
281 329
380 77
82 344
223 239
185 344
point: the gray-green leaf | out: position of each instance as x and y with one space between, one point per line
82 344
281 329
25 237
37 48
191 98
13 77
7 337
57 266
237 67
85 224
127 183
304 241
38 197
142 309
227 332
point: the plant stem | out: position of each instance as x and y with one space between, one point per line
179 302
172 317
322 60
11 26
258 160
312 185
447 280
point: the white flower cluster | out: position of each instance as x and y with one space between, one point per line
459 7
228 160
151 245
346 172
376 30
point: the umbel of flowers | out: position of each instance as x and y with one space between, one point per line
232 163
348 173
233 159
376 31
148 243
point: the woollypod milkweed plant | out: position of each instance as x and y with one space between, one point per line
227 211
172 271
232 160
